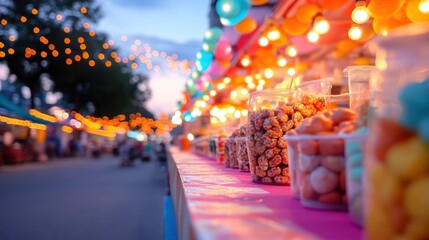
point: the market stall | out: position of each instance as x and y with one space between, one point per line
213 202
318 123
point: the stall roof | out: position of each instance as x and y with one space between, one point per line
18 110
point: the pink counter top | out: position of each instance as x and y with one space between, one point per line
214 202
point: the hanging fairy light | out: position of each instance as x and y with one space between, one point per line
291 71
281 61
313 36
263 41
360 14
268 73
321 25
245 61
424 6
355 32
273 33
291 51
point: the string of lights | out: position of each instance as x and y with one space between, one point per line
140 55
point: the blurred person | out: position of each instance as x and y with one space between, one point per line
125 151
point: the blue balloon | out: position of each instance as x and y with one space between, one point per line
228 8
213 35
204 60
187 116
204 55
231 20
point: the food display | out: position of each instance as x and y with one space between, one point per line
399 179
220 148
231 150
397 154
271 115
321 169
242 156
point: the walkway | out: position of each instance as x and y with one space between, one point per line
81 199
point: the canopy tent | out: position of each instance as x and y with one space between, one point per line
18 110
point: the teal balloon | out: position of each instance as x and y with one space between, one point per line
241 9
179 104
229 8
204 55
199 94
213 35
195 74
204 60
187 116
209 47
191 89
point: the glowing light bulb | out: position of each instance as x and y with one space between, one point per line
268 73
190 137
424 6
226 80
360 14
263 41
273 33
291 71
321 26
313 36
281 62
291 51
245 61
355 33
234 94
248 79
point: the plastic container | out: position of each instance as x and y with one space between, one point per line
242 157
231 153
354 150
396 159
271 115
322 176
339 100
220 148
213 147
293 155
323 85
358 81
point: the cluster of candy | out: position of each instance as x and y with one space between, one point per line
399 195
242 156
231 150
267 150
322 177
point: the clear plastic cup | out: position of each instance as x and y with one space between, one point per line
322 176
354 149
358 80
293 156
323 85
242 157
272 114
231 153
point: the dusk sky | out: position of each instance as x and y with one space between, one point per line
166 25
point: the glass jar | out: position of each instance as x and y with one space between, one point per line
396 160
271 114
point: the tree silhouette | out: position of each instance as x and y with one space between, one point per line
53 38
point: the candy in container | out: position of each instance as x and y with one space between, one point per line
321 160
271 115
396 158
